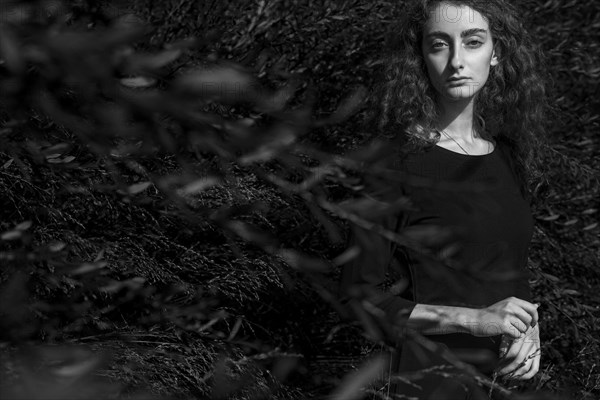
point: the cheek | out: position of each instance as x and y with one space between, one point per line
434 68
485 71
481 67
486 62
433 64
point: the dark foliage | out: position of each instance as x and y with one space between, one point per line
172 198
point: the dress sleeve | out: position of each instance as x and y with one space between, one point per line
369 276
523 289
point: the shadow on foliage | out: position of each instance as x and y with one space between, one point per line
137 197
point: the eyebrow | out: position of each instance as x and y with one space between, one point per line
463 34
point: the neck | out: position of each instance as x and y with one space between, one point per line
456 119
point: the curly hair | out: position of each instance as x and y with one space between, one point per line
510 107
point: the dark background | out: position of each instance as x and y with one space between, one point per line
169 232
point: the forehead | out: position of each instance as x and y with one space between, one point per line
450 17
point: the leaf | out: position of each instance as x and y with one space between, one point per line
11 235
138 187
138 82
571 292
277 100
23 226
347 106
59 148
551 277
226 84
56 246
199 185
552 217
348 255
353 384
589 211
247 122
429 235
297 260
78 369
8 163
590 226
70 43
151 62
100 255
131 284
375 150
235 329
249 233
279 138
68 159
366 206
89 267
571 221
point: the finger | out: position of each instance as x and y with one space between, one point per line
535 367
516 329
523 361
513 351
524 368
517 353
523 316
511 369
535 315
532 371
530 308
508 367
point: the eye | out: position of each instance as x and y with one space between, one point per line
438 44
474 43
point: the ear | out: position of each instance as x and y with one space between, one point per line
494 61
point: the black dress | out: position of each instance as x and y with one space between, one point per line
469 213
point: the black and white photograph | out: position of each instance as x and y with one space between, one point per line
299 200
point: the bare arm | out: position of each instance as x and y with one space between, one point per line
511 317
437 320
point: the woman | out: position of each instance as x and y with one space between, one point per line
463 95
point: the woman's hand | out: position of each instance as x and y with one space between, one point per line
520 358
511 317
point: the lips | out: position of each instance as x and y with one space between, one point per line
457 79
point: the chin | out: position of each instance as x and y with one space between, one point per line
452 96
459 93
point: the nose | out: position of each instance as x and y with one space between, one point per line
456 57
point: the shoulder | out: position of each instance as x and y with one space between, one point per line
505 145
506 152
415 154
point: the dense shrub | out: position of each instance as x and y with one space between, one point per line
171 197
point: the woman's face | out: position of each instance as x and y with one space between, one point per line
458 51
